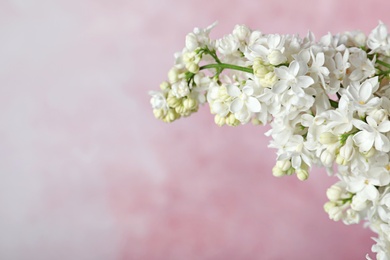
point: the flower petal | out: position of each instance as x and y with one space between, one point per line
253 104
382 143
279 87
362 125
236 105
371 122
220 108
298 91
248 90
371 192
305 81
294 68
384 127
233 90
283 73
365 91
320 58
364 141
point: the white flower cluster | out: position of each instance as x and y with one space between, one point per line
327 103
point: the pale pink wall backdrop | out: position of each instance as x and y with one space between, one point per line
88 173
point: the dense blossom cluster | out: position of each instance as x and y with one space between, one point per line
327 103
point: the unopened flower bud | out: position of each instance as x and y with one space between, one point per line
173 75
192 67
190 103
340 160
328 138
219 120
335 213
345 154
276 57
369 153
334 193
171 116
327 158
165 85
173 101
223 94
277 172
329 205
302 174
159 113
256 121
284 165
232 120
290 171
268 80
181 109
261 70
358 203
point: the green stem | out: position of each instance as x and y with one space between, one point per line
222 66
386 72
385 64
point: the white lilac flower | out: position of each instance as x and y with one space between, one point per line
346 152
272 101
295 149
191 61
332 43
316 69
270 50
351 217
242 33
362 67
321 100
360 202
326 101
218 99
228 45
292 77
379 114
362 95
202 83
315 127
356 38
379 40
293 45
158 100
199 38
364 187
338 68
340 120
371 135
381 248
243 103
384 208
335 211
293 102
180 89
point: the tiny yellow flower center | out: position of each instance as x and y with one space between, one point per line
362 102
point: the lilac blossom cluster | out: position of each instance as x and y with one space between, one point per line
327 103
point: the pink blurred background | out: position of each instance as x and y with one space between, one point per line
88 173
